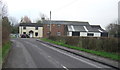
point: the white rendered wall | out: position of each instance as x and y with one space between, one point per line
40 31
97 34
70 34
83 33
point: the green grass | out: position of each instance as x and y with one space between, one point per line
99 53
5 49
0 56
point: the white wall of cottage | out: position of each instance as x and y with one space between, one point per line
40 31
84 34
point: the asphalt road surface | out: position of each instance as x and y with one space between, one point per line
29 53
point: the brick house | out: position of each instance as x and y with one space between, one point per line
53 29
72 28
62 28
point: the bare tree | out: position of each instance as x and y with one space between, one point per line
25 19
5 22
113 29
41 18
13 21
3 7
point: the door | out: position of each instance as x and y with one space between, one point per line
31 33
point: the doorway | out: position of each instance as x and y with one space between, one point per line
31 33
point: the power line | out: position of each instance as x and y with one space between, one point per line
64 6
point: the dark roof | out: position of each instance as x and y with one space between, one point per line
84 28
31 24
66 22
98 27
79 28
95 26
90 29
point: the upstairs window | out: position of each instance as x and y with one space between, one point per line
36 28
58 25
24 27
48 25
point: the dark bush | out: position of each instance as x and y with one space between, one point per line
74 41
92 43
5 30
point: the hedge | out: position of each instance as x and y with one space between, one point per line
93 43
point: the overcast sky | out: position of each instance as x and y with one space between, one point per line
98 12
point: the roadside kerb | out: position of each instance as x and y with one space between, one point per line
105 61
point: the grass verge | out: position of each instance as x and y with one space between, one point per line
99 53
5 49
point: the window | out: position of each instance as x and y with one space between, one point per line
24 32
36 28
58 33
48 25
75 33
90 34
48 33
58 25
53 24
24 27
36 33
104 34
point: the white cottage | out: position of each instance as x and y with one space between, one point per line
31 29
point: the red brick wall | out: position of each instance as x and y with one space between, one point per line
54 29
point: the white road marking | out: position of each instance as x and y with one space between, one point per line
72 56
65 67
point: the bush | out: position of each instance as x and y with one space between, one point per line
113 56
92 43
74 41
5 30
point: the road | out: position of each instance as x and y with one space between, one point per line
29 53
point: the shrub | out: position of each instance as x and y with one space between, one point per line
92 43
